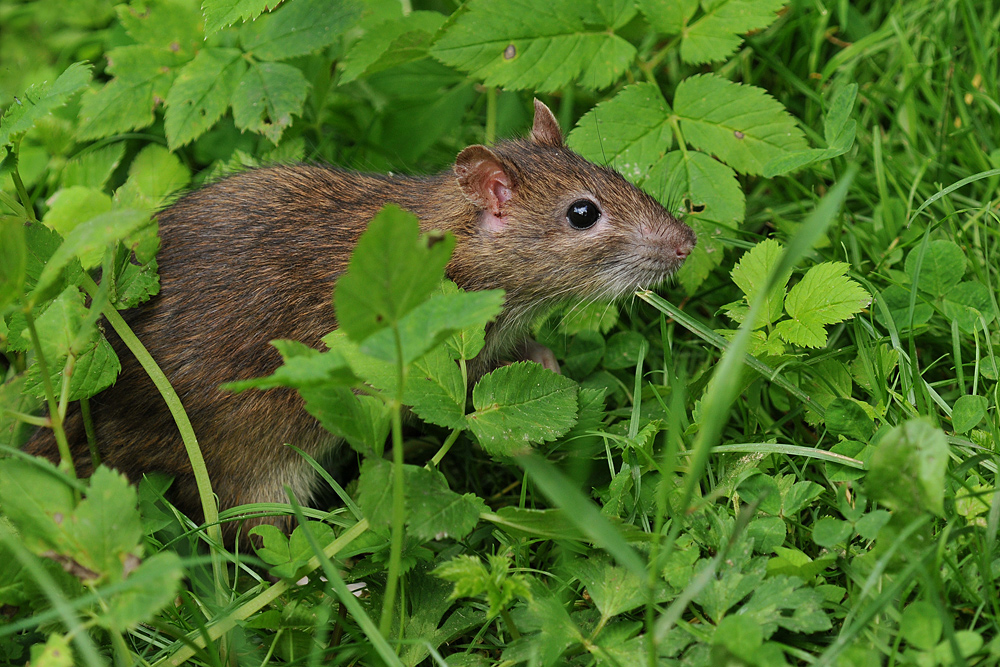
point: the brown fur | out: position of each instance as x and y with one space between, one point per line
254 257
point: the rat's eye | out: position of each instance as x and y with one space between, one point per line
582 214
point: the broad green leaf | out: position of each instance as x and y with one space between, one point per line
966 302
668 16
390 43
288 555
36 501
73 205
837 119
739 633
95 369
222 13
375 493
143 75
151 587
363 421
392 270
742 125
823 296
153 176
273 547
829 532
614 589
783 601
750 275
435 390
941 269
105 528
93 167
718 32
134 283
201 94
40 99
630 132
871 523
96 233
623 350
761 489
920 624
13 260
844 416
267 96
302 367
907 471
468 342
431 322
969 410
583 353
612 13
897 300
298 28
546 615
519 404
176 26
768 533
55 652
521 44
435 512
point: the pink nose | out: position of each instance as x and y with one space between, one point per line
683 251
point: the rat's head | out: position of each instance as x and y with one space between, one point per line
552 225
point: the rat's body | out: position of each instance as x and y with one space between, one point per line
254 257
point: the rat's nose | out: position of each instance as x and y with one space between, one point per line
684 250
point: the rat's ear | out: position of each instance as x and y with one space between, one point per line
483 179
545 130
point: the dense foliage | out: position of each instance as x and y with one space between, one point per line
786 457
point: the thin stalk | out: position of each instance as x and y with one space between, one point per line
88 427
491 115
173 401
452 437
65 457
398 499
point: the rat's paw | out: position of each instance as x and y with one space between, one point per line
532 350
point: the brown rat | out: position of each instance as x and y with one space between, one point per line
254 257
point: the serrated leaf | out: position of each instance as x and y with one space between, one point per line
907 471
36 501
175 26
151 587
105 528
521 403
73 205
153 176
40 99
435 390
143 77
783 601
522 44
823 296
134 283
392 270
742 125
623 350
630 132
668 16
614 589
718 32
222 13
941 267
750 275
362 421
93 167
266 98
298 28
201 94
93 371
96 233
13 261
390 43
969 410
434 511
374 493
302 367
431 322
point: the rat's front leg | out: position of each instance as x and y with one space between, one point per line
532 350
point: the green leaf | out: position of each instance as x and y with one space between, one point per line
153 176
375 493
201 94
844 416
966 302
93 167
143 77
897 300
431 322
521 44
13 260
969 410
739 633
472 579
941 269
716 35
583 353
288 555
783 601
823 296
468 342
435 512
134 283
614 589
105 528
363 421
763 489
521 403
73 205
435 390
36 501
668 16
267 96
630 132
623 350
750 275
907 471
921 626
742 125
40 99
273 547
175 26
55 652
392 270
829 532
298 28
95 234
222 13
390 43
302 367
152 586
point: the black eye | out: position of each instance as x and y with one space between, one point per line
582 214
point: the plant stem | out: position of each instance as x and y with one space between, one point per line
398 498
173 401
65 458
449 441
491 115
88 427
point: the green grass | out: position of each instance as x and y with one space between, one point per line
831 505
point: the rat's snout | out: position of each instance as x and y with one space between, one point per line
686 243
